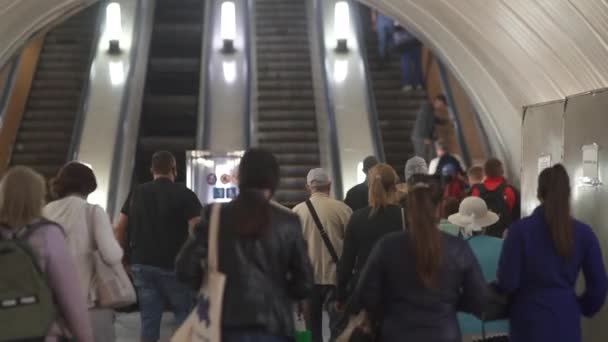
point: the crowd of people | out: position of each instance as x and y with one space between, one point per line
419 260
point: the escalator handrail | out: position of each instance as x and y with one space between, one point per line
372 107
124 113
85 95
331 112
252 74
247 37
8 86
204 118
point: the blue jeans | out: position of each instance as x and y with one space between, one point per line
385 28
157 289
411 67
251 336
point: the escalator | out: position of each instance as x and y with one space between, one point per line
396 109
169 117
47 128
286 104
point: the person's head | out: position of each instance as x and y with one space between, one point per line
473 215
475 175
432 181
440 102
493 168
415 165
369 163
317 181
554 194
258 178
382 187
450 207
424 235
22 196
164 165
74 178
440 148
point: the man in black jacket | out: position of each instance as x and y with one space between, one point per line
358 197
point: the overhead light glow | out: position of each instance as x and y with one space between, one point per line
113 26
117 73
342 25
228 25
229 68
340 70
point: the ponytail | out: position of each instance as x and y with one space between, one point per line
424 236
382 187
554 193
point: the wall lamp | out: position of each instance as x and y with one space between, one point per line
113 27
228 26
342 25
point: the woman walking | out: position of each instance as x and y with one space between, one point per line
540 262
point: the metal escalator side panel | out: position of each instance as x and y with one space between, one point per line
16 98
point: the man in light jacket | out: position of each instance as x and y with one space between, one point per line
333 216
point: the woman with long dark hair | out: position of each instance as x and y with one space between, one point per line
261 251
540 262
415 281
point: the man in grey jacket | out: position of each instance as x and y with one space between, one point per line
423 133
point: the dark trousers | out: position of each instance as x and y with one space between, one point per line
320 297
411 67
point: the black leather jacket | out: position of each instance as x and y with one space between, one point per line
391 290
264 275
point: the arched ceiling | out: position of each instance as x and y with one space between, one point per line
511 53
506 53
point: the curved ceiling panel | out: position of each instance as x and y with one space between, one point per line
511 53
20 19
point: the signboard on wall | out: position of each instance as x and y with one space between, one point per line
213 176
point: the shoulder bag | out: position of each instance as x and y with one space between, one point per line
205 322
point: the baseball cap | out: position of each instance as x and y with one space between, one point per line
317 177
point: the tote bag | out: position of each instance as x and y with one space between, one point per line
205 322
113 288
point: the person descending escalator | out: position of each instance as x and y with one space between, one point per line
358 197
424 133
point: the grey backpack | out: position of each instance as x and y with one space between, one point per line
27 308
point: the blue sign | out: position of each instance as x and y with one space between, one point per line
231 192
219 193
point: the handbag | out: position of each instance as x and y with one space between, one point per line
359 329
112 285
204 323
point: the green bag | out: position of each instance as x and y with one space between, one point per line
304 336
27 309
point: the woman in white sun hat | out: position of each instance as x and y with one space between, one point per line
472 217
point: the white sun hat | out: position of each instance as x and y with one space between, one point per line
473 215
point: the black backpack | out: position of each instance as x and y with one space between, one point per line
497 202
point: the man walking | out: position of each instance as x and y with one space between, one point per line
155 220
423 133
358 197
324 223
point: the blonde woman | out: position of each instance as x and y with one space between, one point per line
368 225
22 194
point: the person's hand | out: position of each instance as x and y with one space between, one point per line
302 310
428 141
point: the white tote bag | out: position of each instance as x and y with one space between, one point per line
205 322
113 288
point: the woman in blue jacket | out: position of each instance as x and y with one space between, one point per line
541 259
